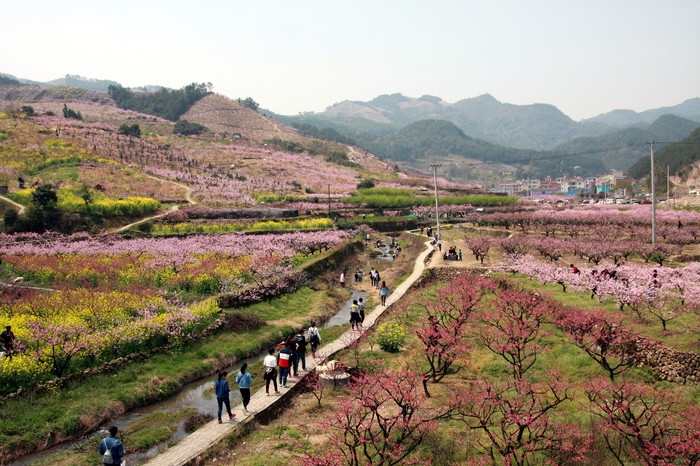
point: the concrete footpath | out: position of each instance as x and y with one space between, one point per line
208 435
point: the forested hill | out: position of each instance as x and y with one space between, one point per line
164 103
621 149
677 157
428 139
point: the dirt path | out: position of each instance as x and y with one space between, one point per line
211 433
10 201
188 198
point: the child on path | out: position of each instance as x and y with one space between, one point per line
244 380
222 395
355 315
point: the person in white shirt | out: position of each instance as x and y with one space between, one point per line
270 363
314 338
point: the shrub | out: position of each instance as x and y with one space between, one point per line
391 337
133 130
365 184
69 113
188 128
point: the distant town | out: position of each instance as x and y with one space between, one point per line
611 188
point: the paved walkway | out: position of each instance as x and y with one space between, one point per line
206 436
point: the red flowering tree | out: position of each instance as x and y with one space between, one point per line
479 246
603 337
444 332
518 421
381 421
512 328
648 423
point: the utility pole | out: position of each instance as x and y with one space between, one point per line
437 212
668 182
329 201
653 196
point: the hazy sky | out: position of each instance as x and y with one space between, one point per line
585 57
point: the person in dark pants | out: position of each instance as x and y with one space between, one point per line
285 363
300 342
244 380
361 308
114 445
314 338
222 395
8 341
270 363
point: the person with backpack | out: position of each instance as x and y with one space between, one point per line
300 349
111 448
314 338
222 395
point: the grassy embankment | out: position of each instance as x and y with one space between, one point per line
31 423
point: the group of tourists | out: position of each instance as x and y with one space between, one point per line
358 275
452 254
290 352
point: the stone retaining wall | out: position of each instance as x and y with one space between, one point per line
672 365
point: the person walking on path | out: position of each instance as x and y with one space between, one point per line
285 362
355 315
342 279
222 395
300 349
314 338
270 363
114 445
244 381
383 293
361 309
8 341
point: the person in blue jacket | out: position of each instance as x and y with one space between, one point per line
113 444
244 380
222 395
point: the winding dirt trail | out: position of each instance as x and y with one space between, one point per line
16 204
188 198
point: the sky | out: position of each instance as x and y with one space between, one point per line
584 57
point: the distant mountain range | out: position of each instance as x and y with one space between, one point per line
412 130
536 126
74 80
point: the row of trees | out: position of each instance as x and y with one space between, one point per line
385 417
